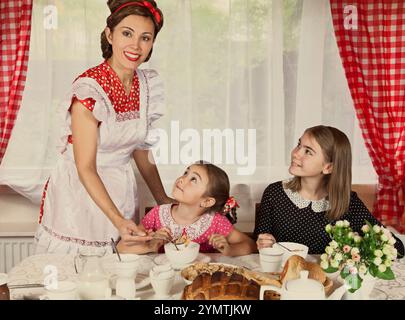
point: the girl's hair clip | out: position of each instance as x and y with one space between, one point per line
229 209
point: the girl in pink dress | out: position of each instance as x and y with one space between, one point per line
205 213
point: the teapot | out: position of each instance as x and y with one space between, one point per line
304 289
93 282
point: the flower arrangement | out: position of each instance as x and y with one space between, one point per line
356 256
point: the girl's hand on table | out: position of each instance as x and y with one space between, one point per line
219 242
265 240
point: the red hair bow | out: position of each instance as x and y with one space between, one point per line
145 4
230 204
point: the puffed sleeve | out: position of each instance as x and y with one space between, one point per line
221 225
263 223
155 108
92 96
150 220
88 89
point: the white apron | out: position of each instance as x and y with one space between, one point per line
71 219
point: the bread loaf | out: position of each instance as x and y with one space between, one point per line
221 286
295 264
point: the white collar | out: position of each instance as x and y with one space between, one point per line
316 205
193 231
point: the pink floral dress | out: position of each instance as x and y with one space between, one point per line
200 231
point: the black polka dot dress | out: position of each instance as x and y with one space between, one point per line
288 217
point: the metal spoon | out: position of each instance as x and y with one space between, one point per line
114 248
288 249
166 239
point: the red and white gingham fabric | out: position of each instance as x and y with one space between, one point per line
15 29
373 56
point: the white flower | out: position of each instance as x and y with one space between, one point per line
354 251
387 249
350 235
324 264
386 232
357 239
350 262
333 244
394 252
388 263
365 228
329 250
377 261
384 238
324 257
376 228
328 228
392 241
346 223
339 223
338 256
362 269
382 267
334 263
378 253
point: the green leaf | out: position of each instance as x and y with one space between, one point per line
373 270
330 270
386 275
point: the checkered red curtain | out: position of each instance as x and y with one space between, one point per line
372 49
15 28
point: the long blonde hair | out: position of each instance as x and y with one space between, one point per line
336 149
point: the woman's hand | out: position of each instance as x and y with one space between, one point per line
159 238
219 242
265 240
130 233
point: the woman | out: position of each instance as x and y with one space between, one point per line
91 195
299 209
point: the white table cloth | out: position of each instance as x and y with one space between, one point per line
32 270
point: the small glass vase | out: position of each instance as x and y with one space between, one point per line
364 292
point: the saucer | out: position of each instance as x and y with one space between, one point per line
141 281
162 259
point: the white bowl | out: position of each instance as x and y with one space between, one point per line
128 265
302 250
183 256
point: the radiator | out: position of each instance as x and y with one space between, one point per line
13 250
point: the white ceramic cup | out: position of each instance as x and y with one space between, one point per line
270 259
296 249
62 290
162 280
126 270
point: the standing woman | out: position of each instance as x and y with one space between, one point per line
91 195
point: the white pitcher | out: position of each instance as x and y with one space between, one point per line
93 282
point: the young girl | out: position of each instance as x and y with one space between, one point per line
298 209
203 214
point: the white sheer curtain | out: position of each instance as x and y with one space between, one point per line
272 66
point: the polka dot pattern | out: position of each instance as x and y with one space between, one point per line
280 216
125 106
113 87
